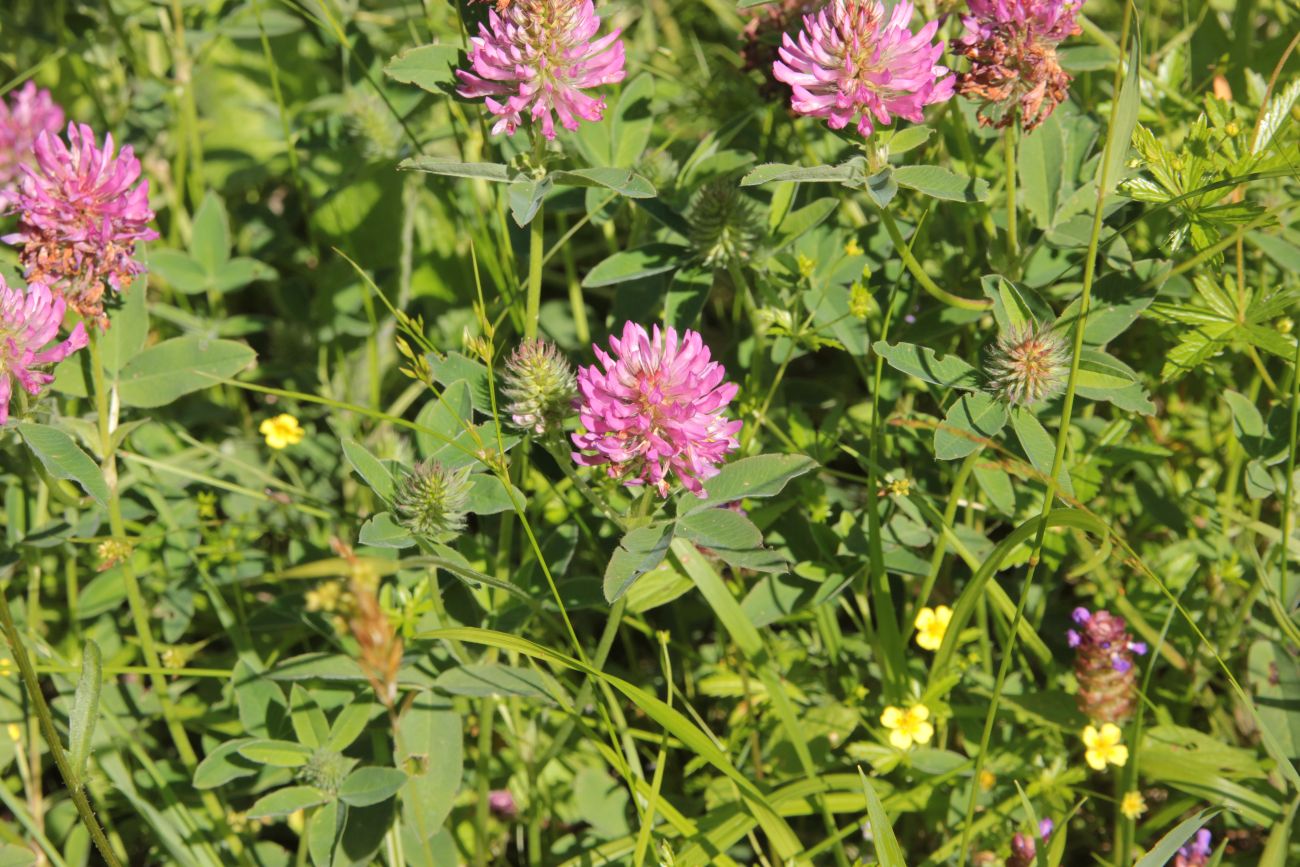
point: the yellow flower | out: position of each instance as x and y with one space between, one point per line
907 727
1133 805
1104 747
806 266
281 431
14 731
987 779
853 248
931 625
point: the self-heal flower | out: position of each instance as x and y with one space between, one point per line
534 59
907 727
1133 805
1104 747
1103 665
80 214
23 117
851 65
1011 45
281 431
29 321
932 625
658 406
1197 852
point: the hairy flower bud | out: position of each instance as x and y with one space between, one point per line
1028 364
540 386
725 224
1103 664
430 501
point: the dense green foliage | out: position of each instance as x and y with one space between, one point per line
261 644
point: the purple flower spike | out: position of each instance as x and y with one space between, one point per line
81 212
533 60
658 406
28 322
1196 853
850 65
1121 664
1045 827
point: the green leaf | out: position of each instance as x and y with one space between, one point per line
85 709
887 848
224 764
288 800
687 295
1014 307
633 120
210 237
485 679
1039 167
370 468
238 273
1126 117
431 67
758 476
323 831
882 187
1247 422
636 263
803 221
179 269
1164 851
625 182
129 328
176 367
978 415
279 754
769 172
908 138
383 531
638 552
526 196
348 725
444 418
63 459
308 719
366 786
430 750
488 496
942 183
496 172
922 362
1038 445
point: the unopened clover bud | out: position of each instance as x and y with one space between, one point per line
431 500
540 386
725 226
1028 364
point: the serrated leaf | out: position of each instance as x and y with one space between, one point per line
924 363
63 459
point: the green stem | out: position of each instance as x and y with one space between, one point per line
532 312
915 269
1062 437
70 780
1013 234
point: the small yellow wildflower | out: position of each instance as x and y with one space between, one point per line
6 667
899 487
806 265
1133 805
1104 747
907 727
281 431
853 248
987 779
932 625
325 597
1232 129
14 731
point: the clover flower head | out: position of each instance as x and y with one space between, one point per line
27 113
431 500
29 321
931 626
657 406
850 64
1011 45
80 214
533 60
725 226
1028 364
1104 747
539 386
908 726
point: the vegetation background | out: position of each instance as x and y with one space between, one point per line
249 660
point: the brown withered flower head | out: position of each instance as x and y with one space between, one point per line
760 40
1011 45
